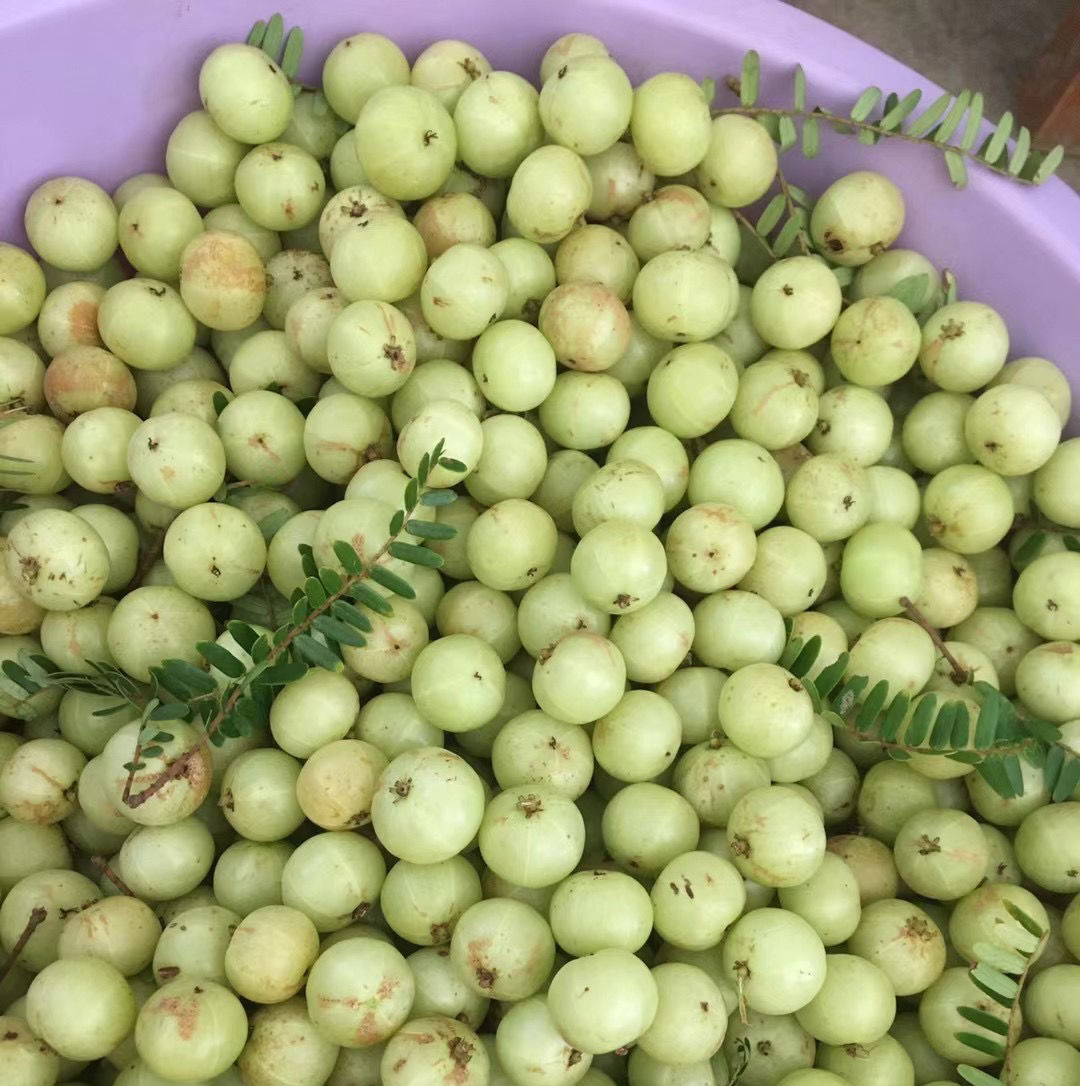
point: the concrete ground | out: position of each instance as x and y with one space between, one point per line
987 45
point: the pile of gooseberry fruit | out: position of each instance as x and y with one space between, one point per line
565 818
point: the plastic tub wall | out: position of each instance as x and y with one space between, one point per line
94 86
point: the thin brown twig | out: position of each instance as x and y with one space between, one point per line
153 553
743 221
33 921
173 771
792 211
136 760
999 750
960 674
130 782
102 865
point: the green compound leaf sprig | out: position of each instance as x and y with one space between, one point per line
995 741
331 609
949 125
286 51
1000 974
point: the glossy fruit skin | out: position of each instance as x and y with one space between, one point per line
71 223
283 1045
754 831
619 987
410 1059
57 559
857 217
874 1016
248 98
407 828
209 1048
381 1000
103 993
503 948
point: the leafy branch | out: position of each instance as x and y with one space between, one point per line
1000 974
33 673
784 221
328 611
950 124
876 116
930 724
284 50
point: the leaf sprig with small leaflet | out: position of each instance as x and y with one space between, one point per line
1000 975
933 724
329 610
950 125
285 50
741 1062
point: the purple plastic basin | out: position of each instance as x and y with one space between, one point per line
93 87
